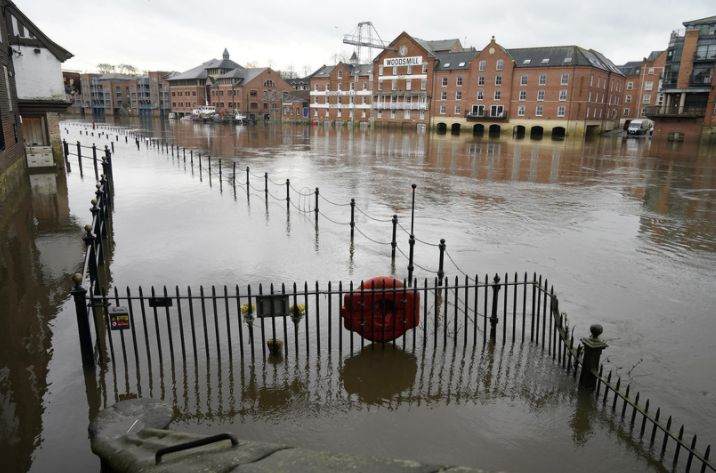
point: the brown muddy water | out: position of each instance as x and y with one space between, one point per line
625 230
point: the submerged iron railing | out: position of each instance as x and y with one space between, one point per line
211 324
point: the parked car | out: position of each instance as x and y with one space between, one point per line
640 127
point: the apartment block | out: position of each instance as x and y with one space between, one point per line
342 93
643 86
689 97
257 93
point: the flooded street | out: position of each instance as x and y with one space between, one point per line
625 231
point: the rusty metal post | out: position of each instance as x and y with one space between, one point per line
493 315
593 347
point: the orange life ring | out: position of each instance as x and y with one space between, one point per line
381 309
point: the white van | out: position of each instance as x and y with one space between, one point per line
640 126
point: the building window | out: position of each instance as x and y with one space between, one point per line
523 79
481 80
380 70
409 69
646 99
560 110
394 84
498 79
408 84
523 95
482 65
480 95
521 111
630 85
538 111
444 81
497 95
443 109
458 95
565 79
458 81
395 70
648 85
423 84
425 68
457 110
540 94
562 95
500 64
443 95
627 99
626 112
542 79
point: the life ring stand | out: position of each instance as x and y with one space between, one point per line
381 309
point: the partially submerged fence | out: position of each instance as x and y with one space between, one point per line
139 332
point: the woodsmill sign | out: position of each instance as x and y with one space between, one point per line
403 61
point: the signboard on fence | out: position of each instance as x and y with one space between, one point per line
118 318
272 306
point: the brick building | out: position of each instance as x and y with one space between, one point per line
255 92
689 105
563 90
643 85
341 93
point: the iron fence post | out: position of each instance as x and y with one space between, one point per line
79 294
66 150
411 266
247 177
441 272
111 143
493 315
593 347
288 196
353 216
316 209
79 157
393 242
94 160
89 239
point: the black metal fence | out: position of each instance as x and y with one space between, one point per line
139 333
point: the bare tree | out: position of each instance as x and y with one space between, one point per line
105 68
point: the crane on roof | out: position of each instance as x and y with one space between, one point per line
366 36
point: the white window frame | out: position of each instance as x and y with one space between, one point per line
540 95
539 111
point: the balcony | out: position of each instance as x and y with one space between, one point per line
675 112
486 117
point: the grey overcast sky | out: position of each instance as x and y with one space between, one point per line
176 35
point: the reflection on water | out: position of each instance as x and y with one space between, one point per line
39 249
379 375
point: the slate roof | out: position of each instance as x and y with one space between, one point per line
323 71
548 56
455 61
653 55
441 45
201 71
631 68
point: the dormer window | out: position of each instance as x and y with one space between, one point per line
447 64
526 61
545 60
462 64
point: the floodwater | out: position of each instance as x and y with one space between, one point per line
625 230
